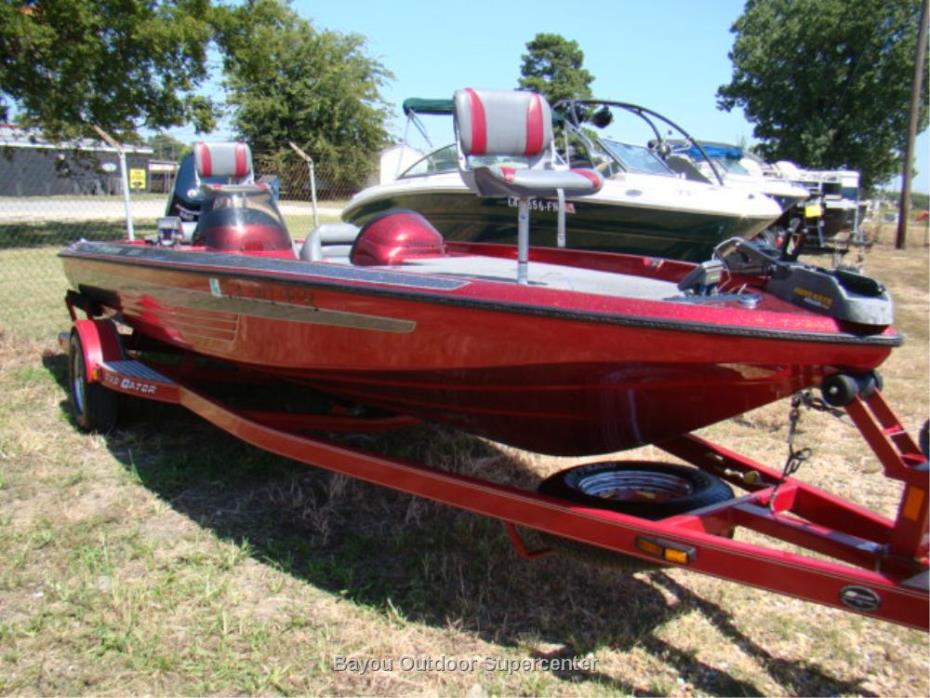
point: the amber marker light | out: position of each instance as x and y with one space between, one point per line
666 550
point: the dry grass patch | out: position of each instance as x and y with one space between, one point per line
169 558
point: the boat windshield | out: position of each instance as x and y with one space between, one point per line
636 158
241 217
620 137
442 160
731 166
446 160
244 199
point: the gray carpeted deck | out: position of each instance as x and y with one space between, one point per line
545 275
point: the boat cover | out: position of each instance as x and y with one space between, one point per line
714 151
417 105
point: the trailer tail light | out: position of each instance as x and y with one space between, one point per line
666 550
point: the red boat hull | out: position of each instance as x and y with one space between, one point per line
554 373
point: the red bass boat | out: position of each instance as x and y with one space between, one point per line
552 350
589 353
595 354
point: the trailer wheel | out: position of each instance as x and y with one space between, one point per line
95 407
640 488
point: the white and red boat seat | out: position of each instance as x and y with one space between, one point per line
498 122
233 160
515 124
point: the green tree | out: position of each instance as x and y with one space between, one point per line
119 64
286 81
827 83
166 146
552 66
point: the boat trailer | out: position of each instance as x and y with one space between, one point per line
876 567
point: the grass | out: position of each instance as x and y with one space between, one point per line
32 283
169 558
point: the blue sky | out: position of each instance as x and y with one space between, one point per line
668 55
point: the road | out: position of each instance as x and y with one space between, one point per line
36 210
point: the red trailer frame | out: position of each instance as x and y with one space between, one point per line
878 567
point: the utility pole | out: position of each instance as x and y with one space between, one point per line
904 208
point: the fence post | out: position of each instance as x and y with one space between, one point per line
309 160
124 177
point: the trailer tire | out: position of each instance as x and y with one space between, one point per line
640 488
663 490
95 408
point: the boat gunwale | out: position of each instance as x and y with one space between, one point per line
420 293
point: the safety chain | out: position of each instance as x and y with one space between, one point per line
807 399
795 456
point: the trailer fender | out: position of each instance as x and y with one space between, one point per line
101 343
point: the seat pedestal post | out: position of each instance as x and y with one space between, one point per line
523 239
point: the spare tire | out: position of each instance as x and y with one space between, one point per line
641 488
645 489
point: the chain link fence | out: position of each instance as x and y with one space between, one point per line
50 197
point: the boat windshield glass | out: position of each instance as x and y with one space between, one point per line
233 213
446 160
442 160
248 200
731 166
632 138
636 158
